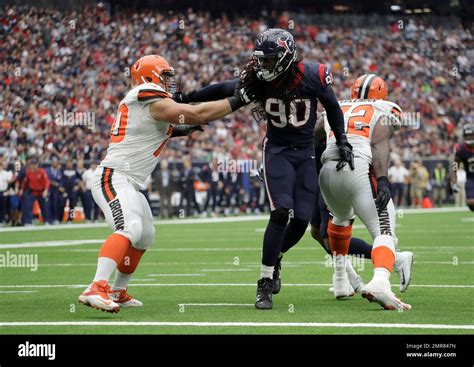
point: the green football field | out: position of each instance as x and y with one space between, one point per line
200 278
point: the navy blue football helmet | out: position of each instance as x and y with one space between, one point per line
274 52
468 133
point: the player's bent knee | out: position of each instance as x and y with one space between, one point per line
280 216
147 240
134 231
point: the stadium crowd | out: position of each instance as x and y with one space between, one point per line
64 74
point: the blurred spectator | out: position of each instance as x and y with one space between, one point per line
6 178
35 186
460 195
188 192
439 184
55 176
419 180
91 209
398 176
164 185
70 185
210 176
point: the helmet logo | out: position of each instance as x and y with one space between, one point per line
285 43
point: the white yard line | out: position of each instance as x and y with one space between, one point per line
217 304
9 286
3 292
248 218
175 275
240 324
225 270
50 243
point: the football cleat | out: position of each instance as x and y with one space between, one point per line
123 299
378 290
341 286
264 294
356 281
403 265
97 296
276 276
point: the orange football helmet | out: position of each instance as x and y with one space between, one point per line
369 86
153 69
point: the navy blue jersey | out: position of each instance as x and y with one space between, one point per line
70 178
292 122
465 154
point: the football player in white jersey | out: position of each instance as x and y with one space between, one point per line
142 127
370 122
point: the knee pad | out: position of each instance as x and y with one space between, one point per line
147 239
279 216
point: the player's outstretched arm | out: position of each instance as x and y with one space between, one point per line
212 92
380 146
178 113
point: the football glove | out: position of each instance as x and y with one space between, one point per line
345 152
184 130
182 97
383 193
246 89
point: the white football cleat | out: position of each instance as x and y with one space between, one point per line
341 286
378 290
356 281
403 265
123 299
96 296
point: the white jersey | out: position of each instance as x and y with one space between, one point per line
136 139
360 118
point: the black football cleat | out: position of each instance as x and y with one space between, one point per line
264 294
276 277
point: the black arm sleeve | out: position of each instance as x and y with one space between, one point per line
214 92
333 111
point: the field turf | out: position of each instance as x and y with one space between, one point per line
200 278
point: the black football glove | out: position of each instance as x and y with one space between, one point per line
383 193
345 151
184 130
183 97
246 89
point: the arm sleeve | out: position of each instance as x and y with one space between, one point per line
214 92
329 101
334 113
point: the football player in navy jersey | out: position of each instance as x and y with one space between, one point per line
464 152
288 89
